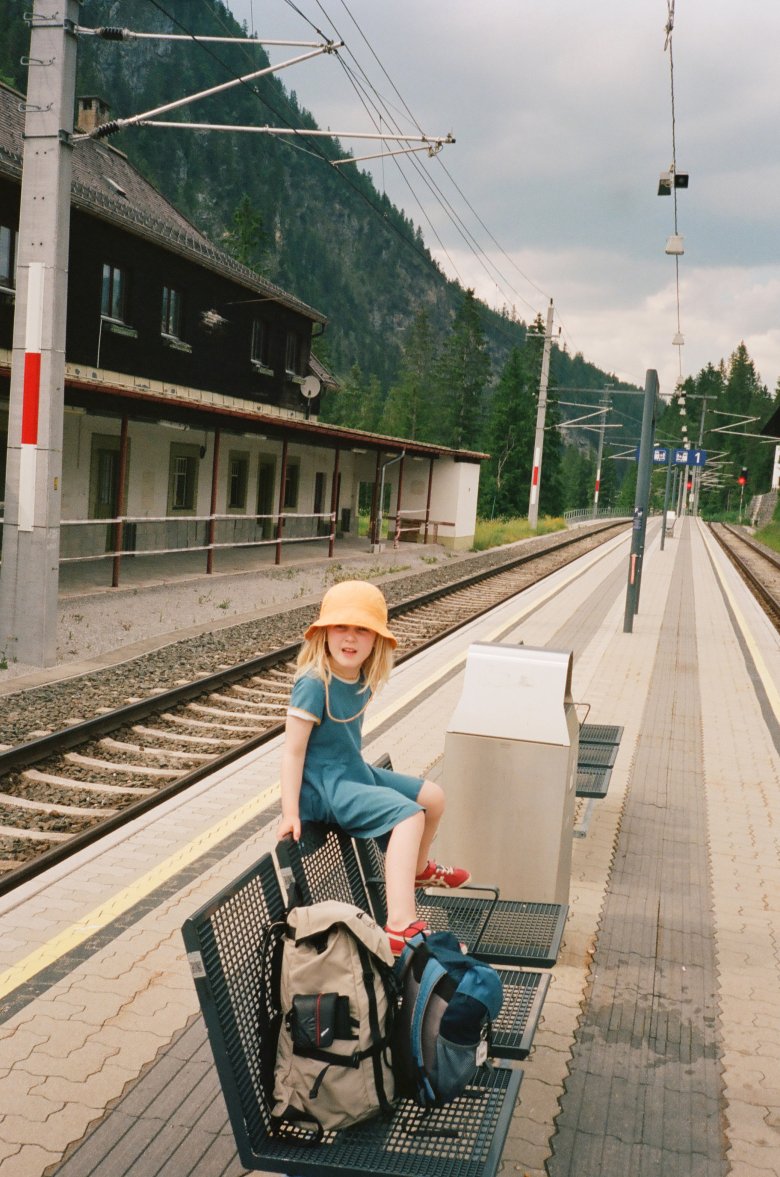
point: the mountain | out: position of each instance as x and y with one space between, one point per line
323 233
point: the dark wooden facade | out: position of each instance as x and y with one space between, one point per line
211 348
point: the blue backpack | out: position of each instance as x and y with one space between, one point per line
442 1031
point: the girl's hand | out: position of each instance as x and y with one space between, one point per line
288 825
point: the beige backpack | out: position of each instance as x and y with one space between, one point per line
338 1000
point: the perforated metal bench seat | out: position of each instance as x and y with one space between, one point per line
500 931
224 942
600 733
597 753
325 864
593 783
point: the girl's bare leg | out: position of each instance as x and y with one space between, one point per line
431 796
400 870
407 855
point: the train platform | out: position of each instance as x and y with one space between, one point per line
658 1050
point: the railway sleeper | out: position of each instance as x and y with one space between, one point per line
251 705
65 782
211 726
204 709
53 807
33 835
259 693
160 733
113 766
159 753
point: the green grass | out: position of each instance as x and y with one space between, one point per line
770 535
492 533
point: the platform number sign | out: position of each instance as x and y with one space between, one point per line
683 457
680 457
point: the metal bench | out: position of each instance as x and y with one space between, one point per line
325 864
224 942
598 751
500 931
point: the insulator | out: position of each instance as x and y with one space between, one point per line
109 128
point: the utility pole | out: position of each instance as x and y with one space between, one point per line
698 472
29 576
641 500
541 412
600 454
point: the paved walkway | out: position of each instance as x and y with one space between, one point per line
644 1093
659 1048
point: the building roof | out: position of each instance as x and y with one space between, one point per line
105 184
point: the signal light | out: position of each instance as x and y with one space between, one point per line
743 476
689 484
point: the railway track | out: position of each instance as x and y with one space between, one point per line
64 790
757 565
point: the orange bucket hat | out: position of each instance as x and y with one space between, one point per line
353 602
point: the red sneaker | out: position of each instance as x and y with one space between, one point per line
399 940
436 875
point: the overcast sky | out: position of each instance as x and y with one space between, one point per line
563 119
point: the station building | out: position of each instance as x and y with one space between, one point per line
192 391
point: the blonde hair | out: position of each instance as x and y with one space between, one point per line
375 671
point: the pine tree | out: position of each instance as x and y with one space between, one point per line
509 439
407 410
246 239
464 373
345 406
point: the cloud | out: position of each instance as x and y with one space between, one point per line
563 118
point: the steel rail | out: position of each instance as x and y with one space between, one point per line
767 599
32 751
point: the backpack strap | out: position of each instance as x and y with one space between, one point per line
292 1118
378 1040
432 974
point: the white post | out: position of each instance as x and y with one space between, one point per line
600 455
541 412
29 576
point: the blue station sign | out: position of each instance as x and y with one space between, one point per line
680 457
683 457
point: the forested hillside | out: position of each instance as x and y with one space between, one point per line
418 355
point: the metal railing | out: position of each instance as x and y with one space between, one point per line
119 537
585 514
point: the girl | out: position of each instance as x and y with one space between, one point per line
345 659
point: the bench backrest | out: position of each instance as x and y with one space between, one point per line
372 864
324 865
225 947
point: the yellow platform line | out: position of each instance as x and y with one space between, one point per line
101 916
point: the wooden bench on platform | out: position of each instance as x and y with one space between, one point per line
224 941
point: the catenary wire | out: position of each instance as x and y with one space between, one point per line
313 149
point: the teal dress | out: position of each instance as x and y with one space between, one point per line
338 786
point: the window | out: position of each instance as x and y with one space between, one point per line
238 479
293 354
291 483
261 344
170 320
114 295
266 486
320 481
183 478
7 257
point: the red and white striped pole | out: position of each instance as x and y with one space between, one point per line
31 396
541 413
29 573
